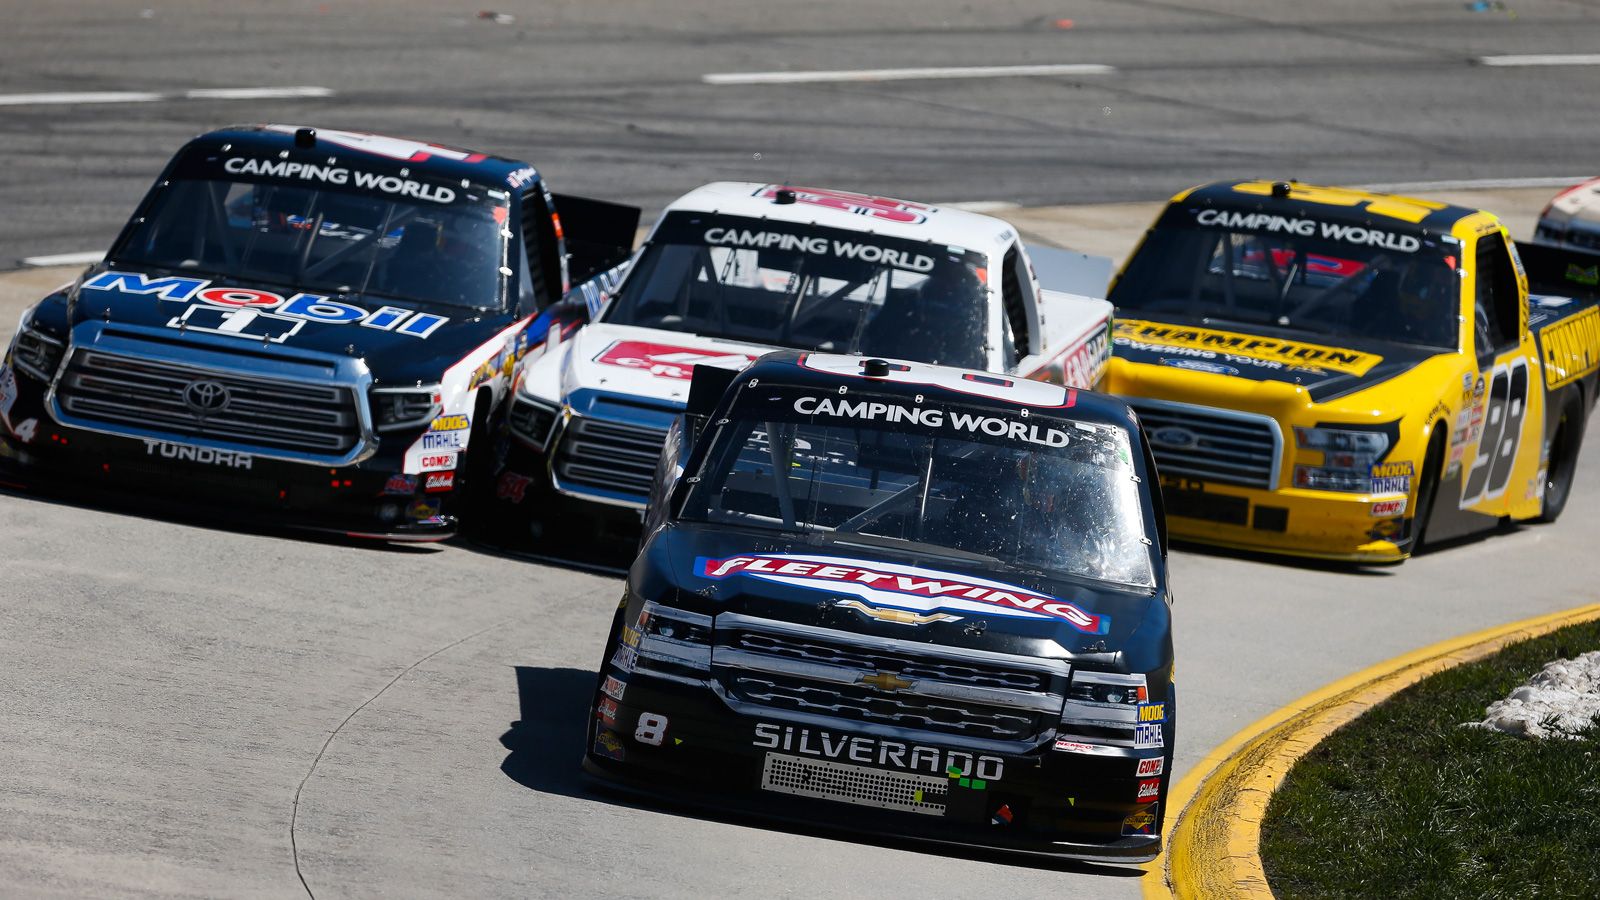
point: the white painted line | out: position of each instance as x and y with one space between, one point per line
1478 184
79 97
983 206
66 259
905 74
67 98
1543 59
266 93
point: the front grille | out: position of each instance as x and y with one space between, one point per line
611 456
269 413
532 420
865 704
1220 445
869 659
904 685
846 783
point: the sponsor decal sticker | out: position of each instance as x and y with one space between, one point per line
881 752
606 709
1200 365
910 588
1387 508
608 745
1245 346
873 207
631 636
625 659
1141 821
1152 712
1002 816
455 422
512 487
994 426
667 360
1569 347
8 391
1148 735
1151 766
423 508
400 485
202 455
1332 231
1067 746
1391 478
440 481
613 687
243 312
438 462
1149 790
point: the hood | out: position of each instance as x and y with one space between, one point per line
401 342
896 594
647 362
1325 371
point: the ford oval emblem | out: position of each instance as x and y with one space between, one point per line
1175 437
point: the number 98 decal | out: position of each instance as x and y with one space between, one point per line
1507 405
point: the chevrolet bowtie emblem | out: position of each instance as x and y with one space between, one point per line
885 681
897 616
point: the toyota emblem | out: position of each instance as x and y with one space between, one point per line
206 396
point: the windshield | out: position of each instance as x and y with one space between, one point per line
1032 492
809 288
412 240
1297 275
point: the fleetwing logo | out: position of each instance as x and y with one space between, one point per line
910 588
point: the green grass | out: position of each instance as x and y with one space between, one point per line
1403 802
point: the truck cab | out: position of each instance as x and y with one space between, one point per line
733 270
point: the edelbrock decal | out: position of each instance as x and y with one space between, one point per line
904 587
245 311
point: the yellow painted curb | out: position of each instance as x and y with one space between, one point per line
1213 845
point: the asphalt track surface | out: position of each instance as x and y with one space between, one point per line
192 710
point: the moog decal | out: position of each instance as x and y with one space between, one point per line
903 587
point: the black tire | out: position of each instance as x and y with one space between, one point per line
1563 461
1428 488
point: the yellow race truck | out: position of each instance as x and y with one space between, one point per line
1336 373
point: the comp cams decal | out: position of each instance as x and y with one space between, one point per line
1243 348
257 314
896 586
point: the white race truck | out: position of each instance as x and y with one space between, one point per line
733 270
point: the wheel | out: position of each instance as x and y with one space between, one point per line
1563 461
1428 488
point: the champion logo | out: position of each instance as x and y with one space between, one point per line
904 587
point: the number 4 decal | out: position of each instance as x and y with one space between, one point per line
1507 404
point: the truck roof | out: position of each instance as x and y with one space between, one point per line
853 211
435 159
1349 205
828 372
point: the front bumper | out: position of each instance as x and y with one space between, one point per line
369 499
680 741
1318 524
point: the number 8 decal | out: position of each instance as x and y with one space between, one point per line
1507 404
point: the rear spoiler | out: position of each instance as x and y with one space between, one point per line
1561 271
599 234
1069 271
